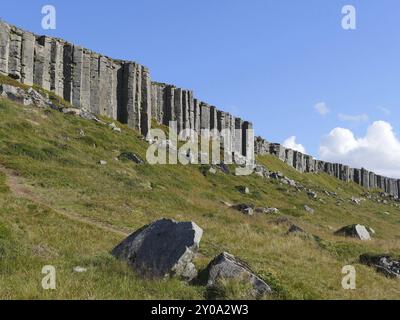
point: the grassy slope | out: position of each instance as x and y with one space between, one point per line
60 167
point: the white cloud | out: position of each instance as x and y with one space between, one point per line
353 118
322 108
378 150
292 144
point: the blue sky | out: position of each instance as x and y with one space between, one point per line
267 61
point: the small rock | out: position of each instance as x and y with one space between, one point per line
226 266
223 167
243 189
309 209
79 269
312 194
130 156
212 170
244 208
355 200
226 203
295 229
267 210
355 231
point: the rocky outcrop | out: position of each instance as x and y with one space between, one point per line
306 163
163 248
225 267
121 90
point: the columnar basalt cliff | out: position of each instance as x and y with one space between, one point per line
306 163
123 90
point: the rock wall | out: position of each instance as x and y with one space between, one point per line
306 163
121 90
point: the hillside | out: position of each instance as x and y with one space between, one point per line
60 207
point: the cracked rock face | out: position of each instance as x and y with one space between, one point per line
226 266
355 231
382 263
161 249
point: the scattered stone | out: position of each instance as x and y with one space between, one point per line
355 200
267 210
130 156
261 171
243 189
161 249
295 229
114 127
226 203
223 167
312 194
79 269
309 209
81 132
102 162
226 266
355 231
245 208
385 264
212 170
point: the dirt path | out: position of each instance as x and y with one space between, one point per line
21 190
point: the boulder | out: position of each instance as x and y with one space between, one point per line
130 156
225 267
385 264
355 231
102 162
161 249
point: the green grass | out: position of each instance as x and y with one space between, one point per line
59 167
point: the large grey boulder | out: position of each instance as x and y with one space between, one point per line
225 267
161 249
385 264
355 231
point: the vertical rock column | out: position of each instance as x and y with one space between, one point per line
237 142
57 67
178 109
132 96
15 50
27 58
134 102
4 47
41 76
145 107
248 140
